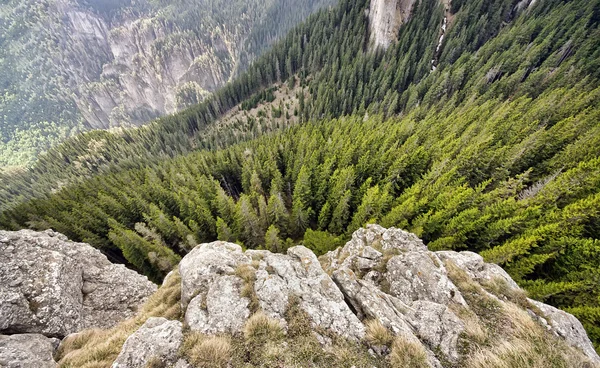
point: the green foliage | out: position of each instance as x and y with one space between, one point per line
496 151
321 242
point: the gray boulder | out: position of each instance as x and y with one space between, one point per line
157 340
221 309
52 286
389 275
213 276
569 328
27 351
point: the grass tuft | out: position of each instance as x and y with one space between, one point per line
377 334
207 351
260 329
407 354
248 274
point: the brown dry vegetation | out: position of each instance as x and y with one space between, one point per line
504 335
96 348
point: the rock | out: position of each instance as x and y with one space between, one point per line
418 276
182 364
569 328
385 19
212 285
474 265
206 263
389 275
27 351
437 326
299 275
52 286
157 339
221 309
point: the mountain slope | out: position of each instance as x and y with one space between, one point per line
72 65
494 150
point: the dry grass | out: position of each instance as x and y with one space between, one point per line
264 344
487 308
155 362
503 335
527 345
248 274
207 351
96 348
407 354
377 334
260 329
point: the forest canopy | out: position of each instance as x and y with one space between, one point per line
494 151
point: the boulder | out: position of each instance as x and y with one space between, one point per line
158 339
52 286
389 275
214 275
569 328
27 351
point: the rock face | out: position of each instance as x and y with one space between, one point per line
389 275
432 301
27 351
568 327
385 19
52 286
384 274
215 274
157 340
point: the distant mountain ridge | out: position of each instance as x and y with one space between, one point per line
72 65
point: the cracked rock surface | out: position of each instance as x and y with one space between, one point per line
52 286
425 299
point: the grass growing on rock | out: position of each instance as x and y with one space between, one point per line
206 351
96 348
504 335
248 274
407 354
377 334
264 342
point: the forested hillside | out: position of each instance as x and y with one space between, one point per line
68 66
493 148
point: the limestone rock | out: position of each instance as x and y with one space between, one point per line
205 263
389 275
385 19
157 339
474 265
212 288
299 274
221 309
419 276
568 327
27 351
52 286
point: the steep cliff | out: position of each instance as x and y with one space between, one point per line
385 19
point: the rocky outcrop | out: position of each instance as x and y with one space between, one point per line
220 282
385 19
449 307
389 275
566 326
157 340
52 286
27 351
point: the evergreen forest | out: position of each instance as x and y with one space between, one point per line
488 142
